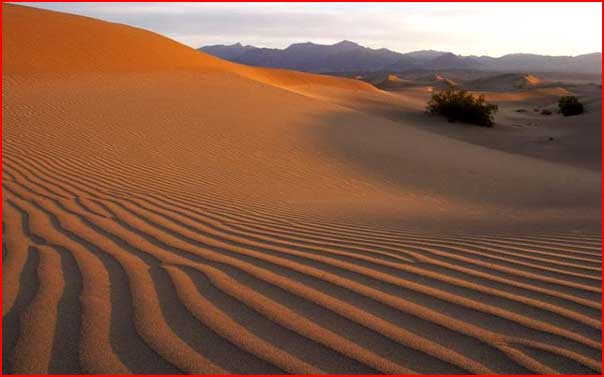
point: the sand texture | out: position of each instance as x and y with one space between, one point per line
165 211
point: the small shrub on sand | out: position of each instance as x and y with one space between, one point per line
546 112
459 105
570 105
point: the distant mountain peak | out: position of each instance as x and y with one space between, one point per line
304 44
230 52
349 56
346 43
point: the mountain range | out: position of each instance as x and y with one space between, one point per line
347 56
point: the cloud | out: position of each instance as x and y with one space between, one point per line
477 28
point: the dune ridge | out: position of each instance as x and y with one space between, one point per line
138 51
169 212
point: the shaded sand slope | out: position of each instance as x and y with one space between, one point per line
204 217
520 126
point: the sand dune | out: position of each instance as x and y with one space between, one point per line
505 81
169 212
393 82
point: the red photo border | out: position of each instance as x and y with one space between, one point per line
318 1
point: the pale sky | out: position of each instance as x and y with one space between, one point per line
491 29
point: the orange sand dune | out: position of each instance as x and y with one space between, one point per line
93 49
505 81
167 212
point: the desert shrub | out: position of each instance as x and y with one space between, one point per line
570 105
459 105
546 112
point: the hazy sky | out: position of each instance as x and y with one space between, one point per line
464 28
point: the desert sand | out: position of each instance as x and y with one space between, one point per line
165 211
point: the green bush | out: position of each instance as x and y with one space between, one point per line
570 105
459 105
